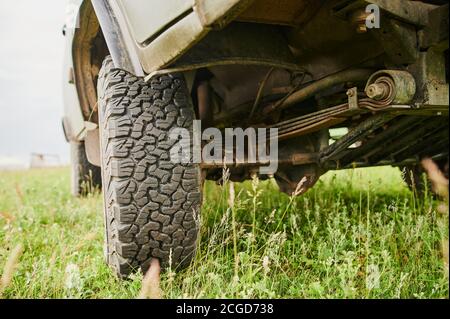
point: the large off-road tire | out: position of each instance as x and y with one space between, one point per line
415 178
86 178
151 205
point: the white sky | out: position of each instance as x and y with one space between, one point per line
31 55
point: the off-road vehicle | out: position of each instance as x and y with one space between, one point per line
375 71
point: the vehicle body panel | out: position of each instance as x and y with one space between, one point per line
73 120
146 18
158 32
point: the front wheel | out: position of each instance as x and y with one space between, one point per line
151 204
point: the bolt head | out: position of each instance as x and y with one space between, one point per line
376 91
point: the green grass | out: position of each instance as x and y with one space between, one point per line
357 234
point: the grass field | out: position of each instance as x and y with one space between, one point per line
357 234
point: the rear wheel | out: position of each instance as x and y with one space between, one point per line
151 205
417 180
86 178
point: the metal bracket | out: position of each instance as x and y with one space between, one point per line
353 99
92 143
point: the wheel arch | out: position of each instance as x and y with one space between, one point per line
97 36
